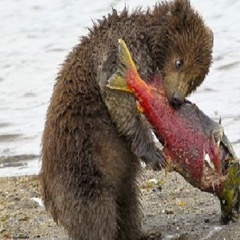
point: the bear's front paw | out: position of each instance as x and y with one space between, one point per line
156 161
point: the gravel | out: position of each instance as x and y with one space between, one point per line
170 205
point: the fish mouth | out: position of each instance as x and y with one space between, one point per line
225 184
213 180
211 176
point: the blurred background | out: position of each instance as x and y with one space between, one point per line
37 35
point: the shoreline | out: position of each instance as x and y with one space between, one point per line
170 205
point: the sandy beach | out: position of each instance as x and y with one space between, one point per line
170 205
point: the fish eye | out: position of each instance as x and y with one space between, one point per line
179 63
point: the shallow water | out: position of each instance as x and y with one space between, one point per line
37 35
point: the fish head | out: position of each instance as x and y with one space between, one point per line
229 192
221 170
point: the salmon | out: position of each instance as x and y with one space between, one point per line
193 144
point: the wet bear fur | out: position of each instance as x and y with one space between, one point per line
92 141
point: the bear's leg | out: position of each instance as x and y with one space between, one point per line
129 217
96 219
128 205
129 211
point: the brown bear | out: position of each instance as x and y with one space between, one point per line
91 144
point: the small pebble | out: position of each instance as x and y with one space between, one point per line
206 220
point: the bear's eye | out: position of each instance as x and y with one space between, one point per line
179 63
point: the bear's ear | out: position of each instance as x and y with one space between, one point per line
180 8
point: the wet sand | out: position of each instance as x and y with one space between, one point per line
170 205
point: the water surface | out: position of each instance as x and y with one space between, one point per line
37 35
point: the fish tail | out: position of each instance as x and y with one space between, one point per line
118 81
126 61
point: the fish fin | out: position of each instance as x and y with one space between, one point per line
126 60
118 80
